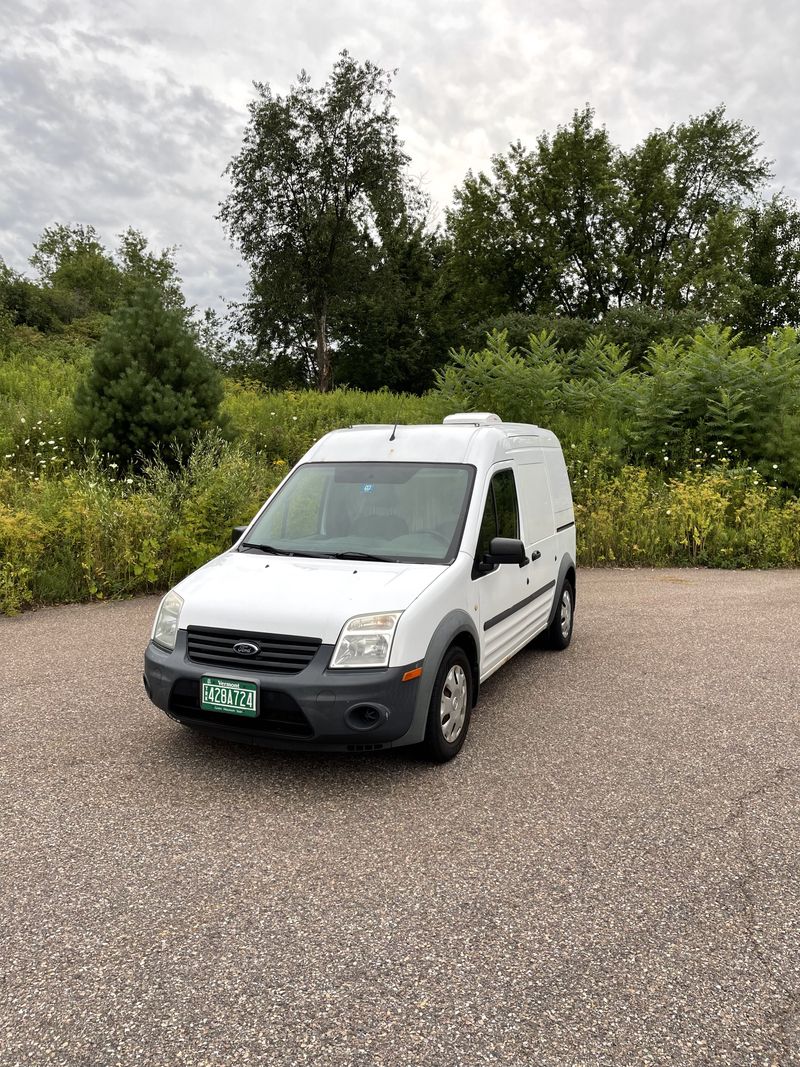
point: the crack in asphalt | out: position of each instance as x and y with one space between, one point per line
732 822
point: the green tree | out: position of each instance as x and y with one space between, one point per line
678 186
540 234
397 331
578 227
319 177
769 297
73 263
149 387
140 266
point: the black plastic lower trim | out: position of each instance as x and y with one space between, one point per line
517 607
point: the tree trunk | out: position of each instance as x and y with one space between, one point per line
324 368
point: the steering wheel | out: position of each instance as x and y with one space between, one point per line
440 537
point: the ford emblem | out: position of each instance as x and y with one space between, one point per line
246 648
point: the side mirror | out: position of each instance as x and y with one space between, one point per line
236 533
505 550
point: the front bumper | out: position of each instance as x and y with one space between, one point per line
341 710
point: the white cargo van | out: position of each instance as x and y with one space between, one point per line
391 572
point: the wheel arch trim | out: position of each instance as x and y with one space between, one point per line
456 628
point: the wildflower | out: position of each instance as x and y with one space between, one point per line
28 441
51 442
669 511
113 466
129 481
272 412
719 442
697 449
22 418
774 466
294 418
9 455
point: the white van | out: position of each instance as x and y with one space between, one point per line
392 571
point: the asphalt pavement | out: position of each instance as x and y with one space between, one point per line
606 875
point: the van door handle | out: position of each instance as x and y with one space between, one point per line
535 555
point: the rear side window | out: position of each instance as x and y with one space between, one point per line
501 512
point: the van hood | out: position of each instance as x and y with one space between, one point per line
250 591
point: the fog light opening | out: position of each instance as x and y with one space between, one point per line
364 717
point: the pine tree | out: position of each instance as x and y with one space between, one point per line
149 386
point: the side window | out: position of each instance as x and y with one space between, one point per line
501 513
505 495
488 525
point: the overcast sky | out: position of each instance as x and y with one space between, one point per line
126 113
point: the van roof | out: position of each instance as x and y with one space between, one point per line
463 438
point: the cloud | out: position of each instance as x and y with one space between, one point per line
125 113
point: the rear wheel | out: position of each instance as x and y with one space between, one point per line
559 633
450 707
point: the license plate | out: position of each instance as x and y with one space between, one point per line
230 696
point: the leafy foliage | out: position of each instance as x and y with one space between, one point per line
578 227
318 182
149 385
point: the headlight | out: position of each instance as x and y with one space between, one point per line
366 641
165 631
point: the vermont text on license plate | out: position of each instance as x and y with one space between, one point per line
230 696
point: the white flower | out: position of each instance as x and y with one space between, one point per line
669 511
51 442
22 418
9 455
272 412
129 481
697 449
113 466
294 418
774 466
28 441
719 442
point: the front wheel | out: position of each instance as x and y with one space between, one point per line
450 707
559 633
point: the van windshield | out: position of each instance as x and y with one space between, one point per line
402 512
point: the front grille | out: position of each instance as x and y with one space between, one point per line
278 712
279 654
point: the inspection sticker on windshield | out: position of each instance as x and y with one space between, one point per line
230 696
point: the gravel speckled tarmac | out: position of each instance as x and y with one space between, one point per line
608 873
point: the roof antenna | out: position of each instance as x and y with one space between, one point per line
392 437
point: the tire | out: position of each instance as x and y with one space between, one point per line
559 633
450 708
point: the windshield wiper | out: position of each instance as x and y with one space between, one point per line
281 551
362 555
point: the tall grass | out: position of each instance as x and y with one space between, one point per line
694 460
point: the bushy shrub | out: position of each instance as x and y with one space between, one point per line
89 534
149 384
708 395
